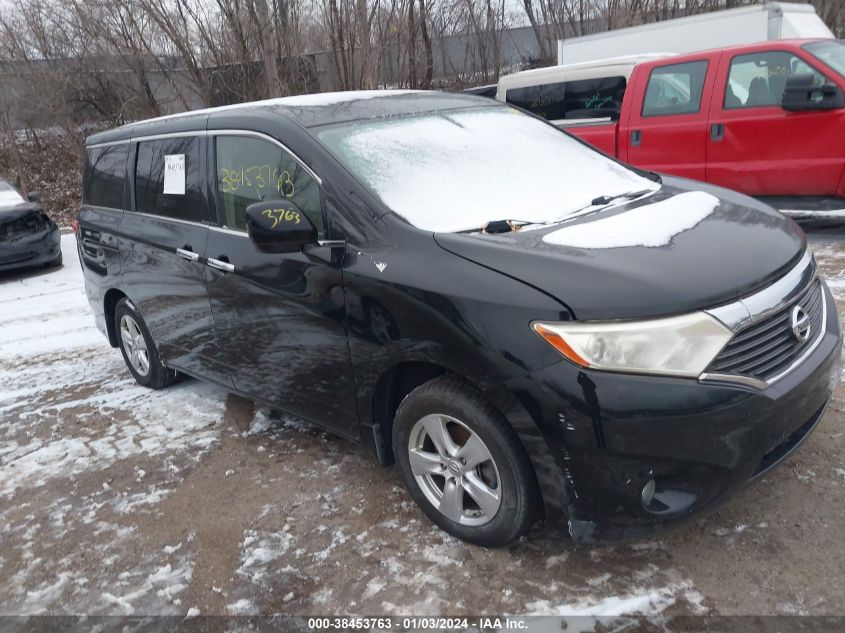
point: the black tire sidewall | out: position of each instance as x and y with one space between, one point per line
159 375
517 507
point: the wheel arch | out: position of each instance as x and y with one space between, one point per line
110 299
396 382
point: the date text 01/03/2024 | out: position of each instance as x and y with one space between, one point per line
417 623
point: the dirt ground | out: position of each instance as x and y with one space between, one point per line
119 500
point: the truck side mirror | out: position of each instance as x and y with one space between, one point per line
279 226
799 95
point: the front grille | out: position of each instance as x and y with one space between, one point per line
22 226
764 349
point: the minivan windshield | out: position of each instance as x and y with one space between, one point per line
457 170
831 52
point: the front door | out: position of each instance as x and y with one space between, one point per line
163 240
666 133
760 149
280 318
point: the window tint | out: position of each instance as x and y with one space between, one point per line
582 99
675 89
758 79
251 170
105 172
150 196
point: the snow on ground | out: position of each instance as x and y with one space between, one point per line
70 411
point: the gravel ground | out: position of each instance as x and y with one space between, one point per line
119 500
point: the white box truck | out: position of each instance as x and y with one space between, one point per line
744 25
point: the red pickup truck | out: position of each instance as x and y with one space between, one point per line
765 119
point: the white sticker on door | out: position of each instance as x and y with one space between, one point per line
174 174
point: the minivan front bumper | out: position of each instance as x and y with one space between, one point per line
612 434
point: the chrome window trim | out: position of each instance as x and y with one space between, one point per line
762 304
261 135
208 133
166 218
212 133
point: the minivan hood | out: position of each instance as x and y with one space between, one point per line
685 247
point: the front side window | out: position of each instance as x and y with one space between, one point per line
675 89
252 170
176 194
105 172
757 80
580 99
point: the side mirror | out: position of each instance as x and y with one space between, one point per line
799 94
279 226
34 196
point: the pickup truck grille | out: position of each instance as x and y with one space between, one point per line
764 349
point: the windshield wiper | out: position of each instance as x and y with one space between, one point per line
499 226
605 200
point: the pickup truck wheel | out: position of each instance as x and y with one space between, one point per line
463 463
139 350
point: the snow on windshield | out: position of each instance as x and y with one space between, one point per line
650 225
457 170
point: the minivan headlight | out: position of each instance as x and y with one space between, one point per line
675 346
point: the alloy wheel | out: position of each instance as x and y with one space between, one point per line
134 345
454 469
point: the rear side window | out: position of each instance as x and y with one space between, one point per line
183 201
105 173
252 170
758 79
581 99
675 89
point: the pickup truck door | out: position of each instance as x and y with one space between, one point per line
757 147
666 127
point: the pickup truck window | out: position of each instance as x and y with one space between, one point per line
580 99
675 89
831 52
757 79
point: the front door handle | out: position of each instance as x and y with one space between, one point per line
221 264
187 253
717 131
636 137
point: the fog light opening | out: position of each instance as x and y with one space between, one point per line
647 494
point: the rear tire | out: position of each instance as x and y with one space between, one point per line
138 348
464 464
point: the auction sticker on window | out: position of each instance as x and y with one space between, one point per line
174 174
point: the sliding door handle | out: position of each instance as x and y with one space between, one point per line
221 264
187 253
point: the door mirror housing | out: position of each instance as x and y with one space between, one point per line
279 226
800 95
34 196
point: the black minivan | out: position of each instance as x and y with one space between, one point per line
526 326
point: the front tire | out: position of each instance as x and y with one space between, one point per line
139 350
463 463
